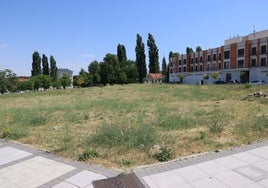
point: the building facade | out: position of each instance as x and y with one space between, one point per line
242 58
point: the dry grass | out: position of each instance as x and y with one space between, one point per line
115 120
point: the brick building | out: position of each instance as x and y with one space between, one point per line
242 58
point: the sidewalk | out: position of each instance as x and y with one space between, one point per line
241 167
24 166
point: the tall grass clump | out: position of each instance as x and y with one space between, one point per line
123 136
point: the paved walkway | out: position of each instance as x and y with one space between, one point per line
23 166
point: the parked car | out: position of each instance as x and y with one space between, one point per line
257 82
220 82
234 82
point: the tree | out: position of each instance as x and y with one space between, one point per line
206 77
45 68
121 55
215 76
198 49
153 55
36 82
140 58
65 80
181 77
36 64
53 69
113 68
131 72
78 80
164 68
94 72
105 69
8 81
168 73
87 79
189 50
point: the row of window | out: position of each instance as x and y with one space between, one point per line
240 53
226 65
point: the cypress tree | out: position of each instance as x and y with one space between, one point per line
45 67
153 55
140 58
36 64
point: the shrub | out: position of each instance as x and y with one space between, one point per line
164 155
13 132
91 153
247 86
203 135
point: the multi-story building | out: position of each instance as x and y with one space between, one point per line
242 58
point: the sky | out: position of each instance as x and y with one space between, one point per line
77 32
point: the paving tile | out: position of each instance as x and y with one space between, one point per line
252 172
39 169
150 182
65 185
84 178
191 173
208 182
247 157
262 165
233 179
264 182
212 167
167 179
9 154
260 152
230 162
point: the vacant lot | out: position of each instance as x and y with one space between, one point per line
115 126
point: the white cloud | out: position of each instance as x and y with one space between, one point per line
91 56
3 46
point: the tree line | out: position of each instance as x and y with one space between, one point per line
118 69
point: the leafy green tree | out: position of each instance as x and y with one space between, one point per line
140 58
94 72
87 79
8 81
65 81
131 72
168 72
114 68
215 76
53 69
36 64
122 77
153 55
45 81
121 55
198 49
189 50
181 77
206 77
164 68
45 67
36 82
26 85
78 80
105 69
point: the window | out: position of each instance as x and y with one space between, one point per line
219 56
241 52
253 63
201 67
179 62
263 49
208 57
196 68
253 51
184 69
240 63
214 57
192 60
226 65
201 59
179 69
214 66
219 65
208 67
184 61
227 55
192 68
263 61
196 60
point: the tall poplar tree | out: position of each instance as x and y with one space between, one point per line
140 58
153 55
45 67
121 55
36 64
164 67
53 69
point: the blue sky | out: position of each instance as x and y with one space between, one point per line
76 32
